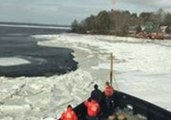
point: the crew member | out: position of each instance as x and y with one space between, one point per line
96 94
69 114
109 102
93 109
108 90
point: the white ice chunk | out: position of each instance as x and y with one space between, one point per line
12 61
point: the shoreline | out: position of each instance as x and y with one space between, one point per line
168 37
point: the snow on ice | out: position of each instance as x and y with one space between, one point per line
142 68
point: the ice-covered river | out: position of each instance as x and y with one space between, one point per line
142 68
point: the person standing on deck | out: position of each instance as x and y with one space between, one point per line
93 109
96 94
69 114
108 90
109 103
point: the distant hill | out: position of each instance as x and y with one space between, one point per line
32 24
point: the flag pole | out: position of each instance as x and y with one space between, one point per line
111 69
112 74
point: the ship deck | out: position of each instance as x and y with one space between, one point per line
131 107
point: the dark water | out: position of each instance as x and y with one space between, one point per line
45 61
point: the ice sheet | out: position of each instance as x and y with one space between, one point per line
142 68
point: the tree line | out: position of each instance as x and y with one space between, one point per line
121 22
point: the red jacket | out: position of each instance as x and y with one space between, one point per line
69 115
108 91
93 108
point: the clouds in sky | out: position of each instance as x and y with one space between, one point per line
65 11
50 11
149 4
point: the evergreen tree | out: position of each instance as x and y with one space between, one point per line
138 29
74 26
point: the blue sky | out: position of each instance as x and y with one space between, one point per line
65 11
